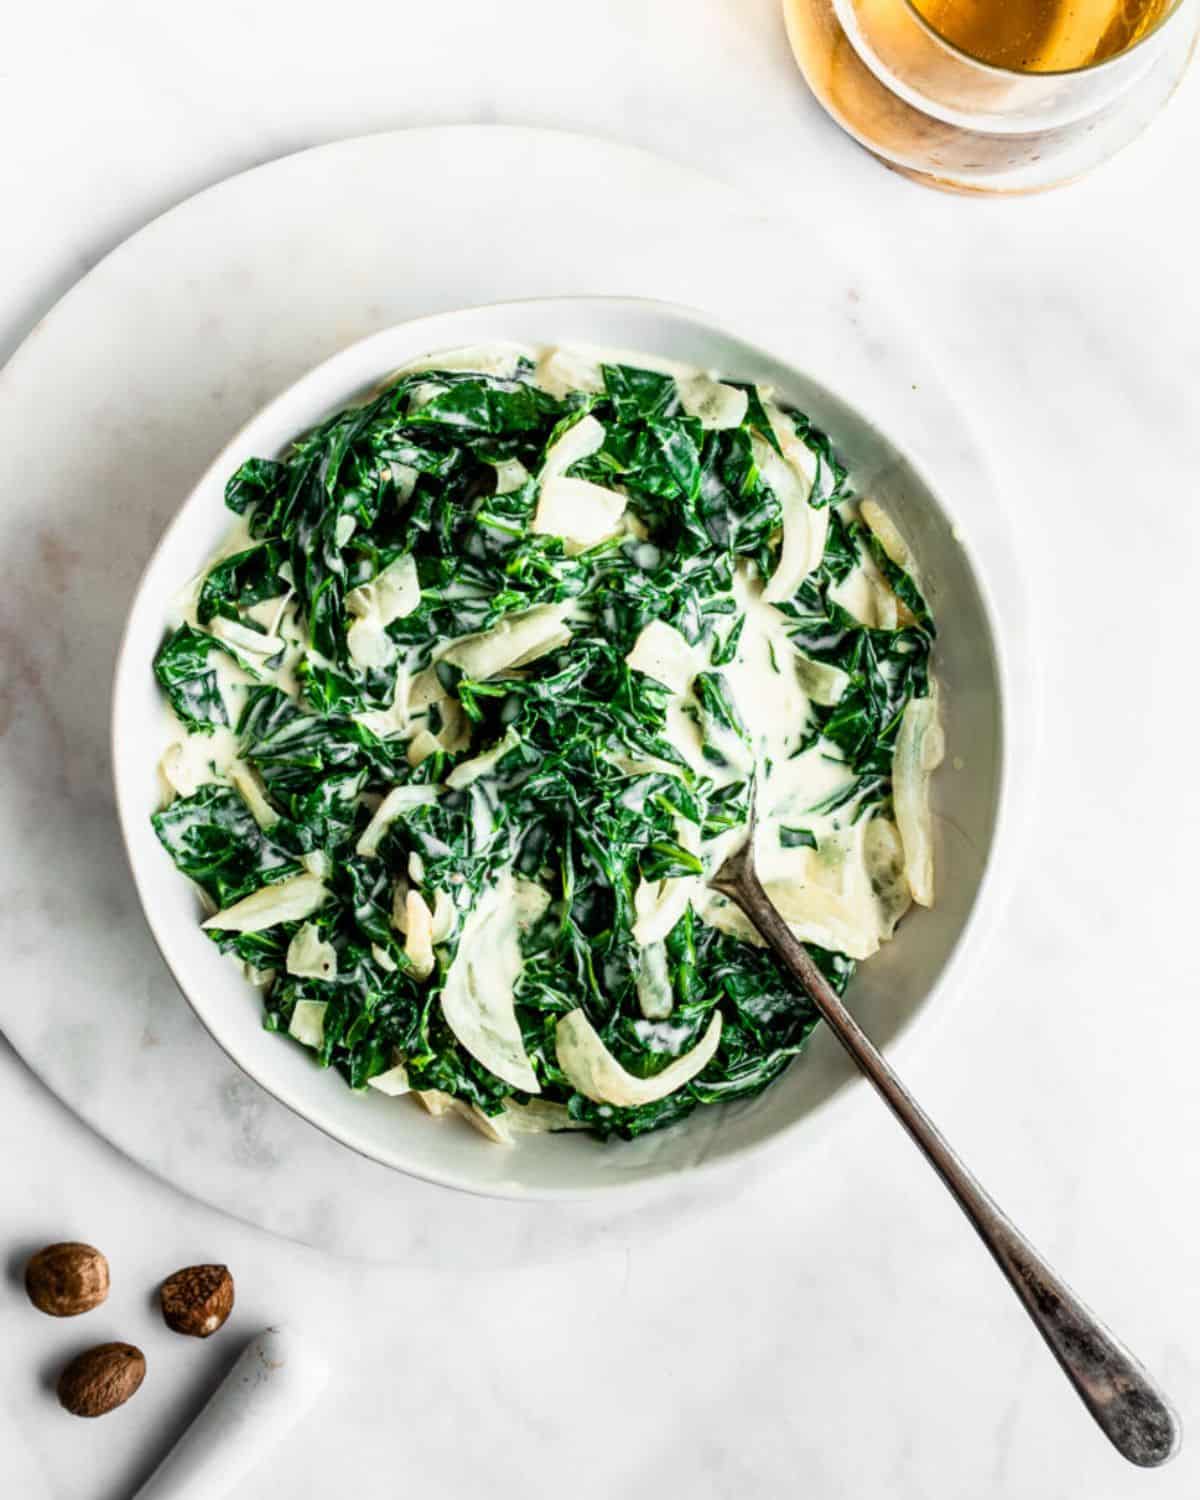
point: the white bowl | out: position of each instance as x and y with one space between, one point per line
892 994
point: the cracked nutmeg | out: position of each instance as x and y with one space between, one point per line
67 1279
197 1300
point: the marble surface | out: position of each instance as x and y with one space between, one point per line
142 1072
835 1328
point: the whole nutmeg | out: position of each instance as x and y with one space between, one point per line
197 1300
68 1279
101 1379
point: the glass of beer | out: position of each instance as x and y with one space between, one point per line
993 96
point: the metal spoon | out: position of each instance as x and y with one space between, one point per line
1129 1409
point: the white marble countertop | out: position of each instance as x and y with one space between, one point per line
835 1334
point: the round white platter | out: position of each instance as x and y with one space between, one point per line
118 401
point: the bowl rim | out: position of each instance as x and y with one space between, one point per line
926 1018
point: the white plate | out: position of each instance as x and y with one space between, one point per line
890 992
118 401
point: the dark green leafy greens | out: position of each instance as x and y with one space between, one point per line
590 797
186 674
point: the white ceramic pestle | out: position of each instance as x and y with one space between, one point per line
273 1384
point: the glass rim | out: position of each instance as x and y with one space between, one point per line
1087 68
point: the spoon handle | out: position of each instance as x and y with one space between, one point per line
1128 1407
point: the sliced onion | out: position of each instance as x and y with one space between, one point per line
540 1117
920 746
593 1071
717 406
477 1000
659 904
662 653
288 901
804 529
308 1022
399 800
309 956
888 533
581 440
438 1103
832 919
519 637
253 643
254 794
418 935
823 684
582 513
883 857
392 1083
480 765
384 959
562 371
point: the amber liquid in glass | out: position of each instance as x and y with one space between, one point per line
1042 36
992 96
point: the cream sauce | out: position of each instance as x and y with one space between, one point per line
766 685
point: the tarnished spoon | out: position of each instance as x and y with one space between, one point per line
1128 1407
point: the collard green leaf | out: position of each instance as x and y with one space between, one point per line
478 406
185 672
639 395
259 482
214 840
235 582
830 485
